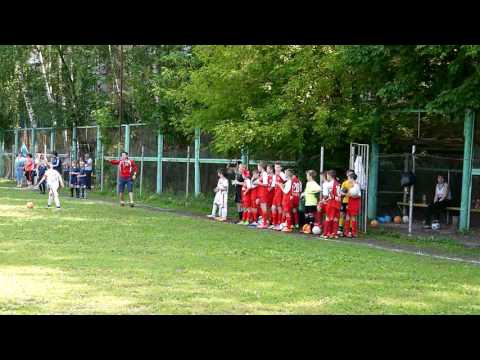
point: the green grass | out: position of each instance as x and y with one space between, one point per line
91 258
441 244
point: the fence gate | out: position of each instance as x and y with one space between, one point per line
359 162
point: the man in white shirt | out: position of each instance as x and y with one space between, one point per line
441 200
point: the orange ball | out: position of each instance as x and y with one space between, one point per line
397 219
306 229
30 205
374 223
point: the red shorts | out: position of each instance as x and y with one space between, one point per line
332 209
253 198
263 194
353 207
270 198
277 197
295 202
246 200
322 207
286 204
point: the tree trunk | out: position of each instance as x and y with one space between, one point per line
28 104
48 88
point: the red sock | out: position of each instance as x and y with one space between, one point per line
317 216
346 227
274 218
335 227
354 227
264 218
295 218
289 221
255 216
326 227
246 215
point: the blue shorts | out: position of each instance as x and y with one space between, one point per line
125 181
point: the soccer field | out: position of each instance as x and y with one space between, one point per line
98 258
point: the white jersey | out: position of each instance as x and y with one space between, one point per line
354 191
222 192
327 188
274 179
53 178
287 187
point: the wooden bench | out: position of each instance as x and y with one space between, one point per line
448 208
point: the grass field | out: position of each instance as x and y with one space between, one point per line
98 258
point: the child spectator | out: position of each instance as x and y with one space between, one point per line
73 173
41 169
82 180
220 202
29 166
19 169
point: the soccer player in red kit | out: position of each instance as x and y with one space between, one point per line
263 193
278 179
322 201
271 192
287 200
252 212
333 206
296 192
246 199
353 208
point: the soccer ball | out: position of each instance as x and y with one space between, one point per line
435 226
30 205
281 226
306 229
397 219
316 230
387 218
405 219
374 223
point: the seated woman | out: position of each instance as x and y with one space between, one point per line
441 200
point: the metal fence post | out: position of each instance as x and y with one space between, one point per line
464 221
127 139
188 172
16 142
52 140
197 161
98 158
74 143
159 162
373 182
32 150
141 170
2 151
